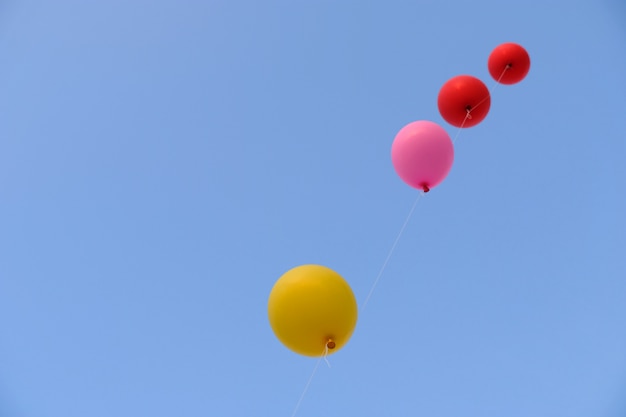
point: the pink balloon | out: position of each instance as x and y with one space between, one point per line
422 154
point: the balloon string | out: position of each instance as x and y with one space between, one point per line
393 247
506 68
495 84
326 355
306 387
469 111
369 295
458 131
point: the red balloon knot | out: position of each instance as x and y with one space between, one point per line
425 188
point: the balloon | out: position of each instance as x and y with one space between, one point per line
422 154
508 63
312 310
464 101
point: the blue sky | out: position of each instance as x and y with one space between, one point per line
163 162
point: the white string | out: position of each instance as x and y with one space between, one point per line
393 247
380 273
468 115
382 269
306 387
326 354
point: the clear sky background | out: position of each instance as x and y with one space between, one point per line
163 162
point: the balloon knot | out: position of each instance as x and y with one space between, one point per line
330 344
425 188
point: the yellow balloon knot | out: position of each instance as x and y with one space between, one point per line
330 344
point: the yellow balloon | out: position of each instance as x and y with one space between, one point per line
312 310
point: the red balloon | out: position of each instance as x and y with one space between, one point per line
508 63
464 101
